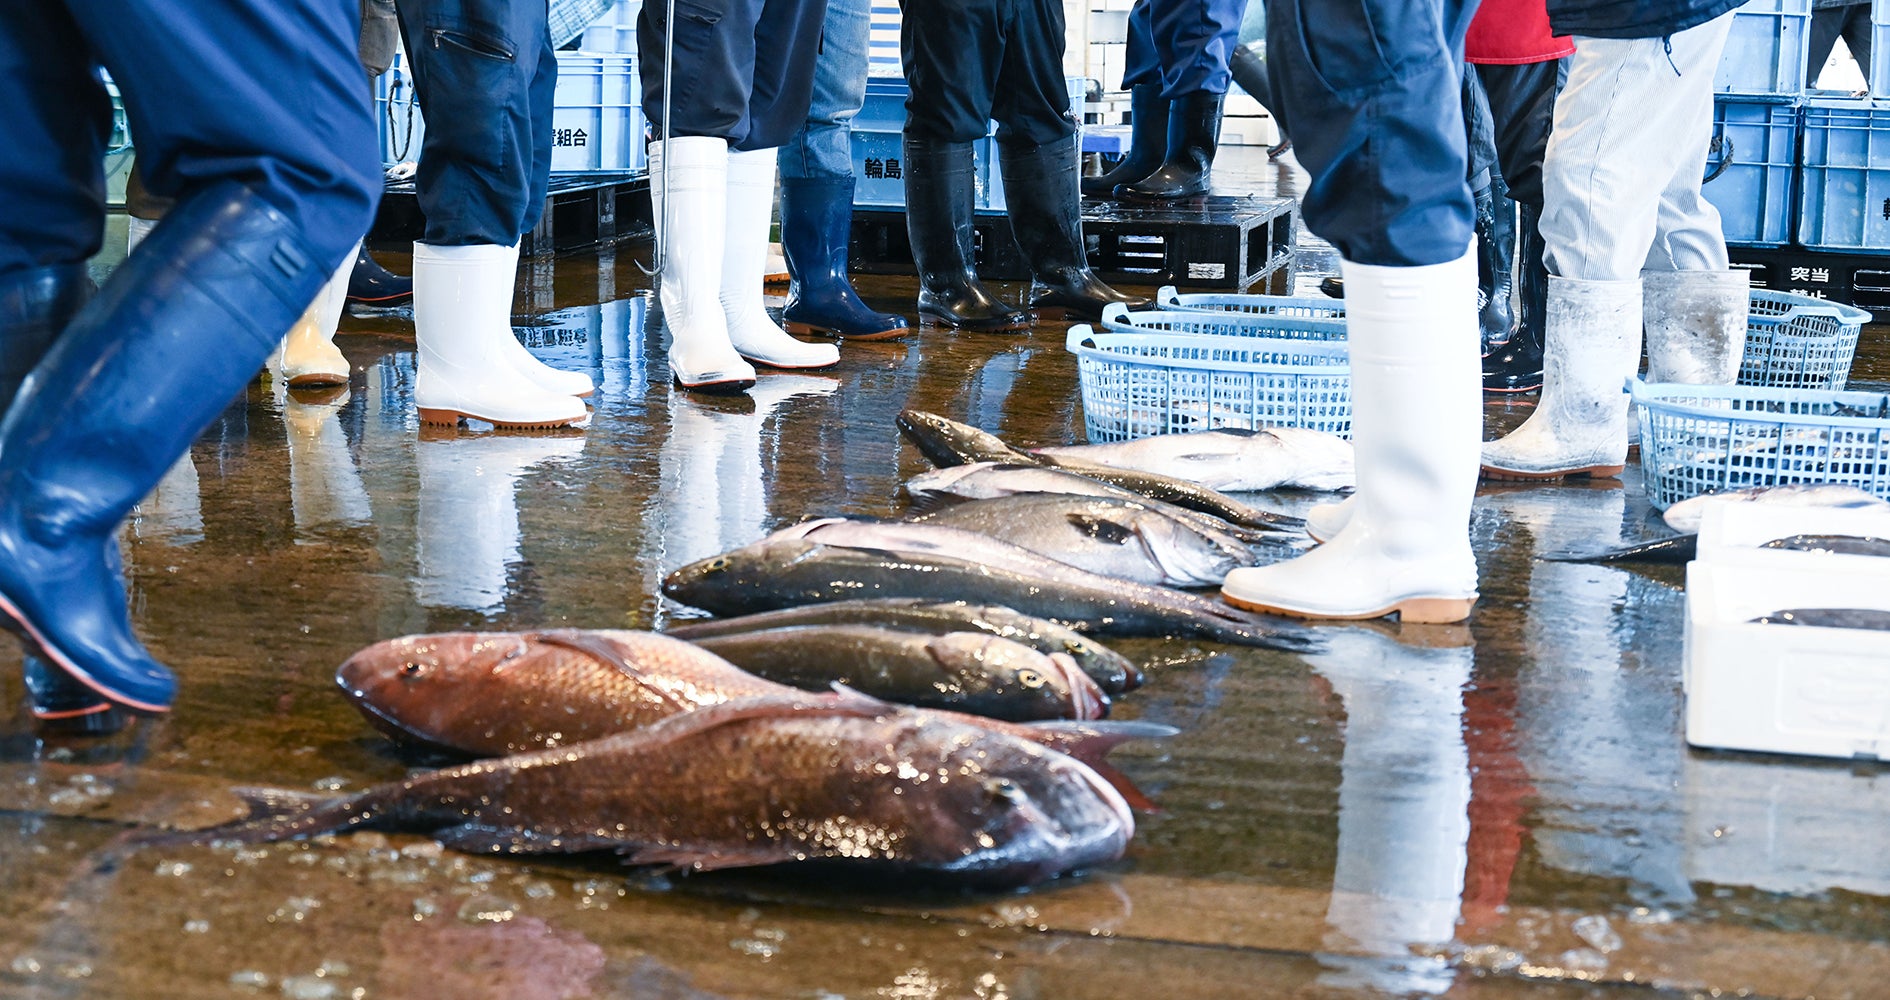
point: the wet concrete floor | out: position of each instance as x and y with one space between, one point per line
1500 810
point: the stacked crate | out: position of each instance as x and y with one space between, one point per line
1757 110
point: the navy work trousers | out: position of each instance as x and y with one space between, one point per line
971 61
743 69
266 93
1182 44
1522 107
486 75
1369 91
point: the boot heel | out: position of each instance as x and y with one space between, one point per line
805 330
1434 610
440 418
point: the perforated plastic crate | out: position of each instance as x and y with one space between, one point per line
1765 49
1116 318
1798 341
1167 298
1704 439
1750 167
1844 203
1139 384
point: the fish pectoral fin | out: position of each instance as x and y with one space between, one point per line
266 802
925 504
706 858
601 649
473 838
1102 529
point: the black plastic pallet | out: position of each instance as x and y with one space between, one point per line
1218 242
582 212
1861 280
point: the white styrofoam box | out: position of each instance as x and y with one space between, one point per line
1734 526
1249 130
1108 26
1786 688
1789 827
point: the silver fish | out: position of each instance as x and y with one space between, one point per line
1685 516
1229 458
1874 619
1112 537
988 480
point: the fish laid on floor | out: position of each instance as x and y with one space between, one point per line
961 671
1105 536
760 781
488 694
784 570
1873 619
1229 458
1847 545
1685 515
1672 550
990 480
1110 670
947 442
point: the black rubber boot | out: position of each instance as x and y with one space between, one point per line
940 189
1047 219
370 284
35 305
1517 365
1194 129
816 225
1334 286
175 333
1496 265
1148 142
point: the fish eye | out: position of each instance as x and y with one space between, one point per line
1005 789
718 564
412 668
1030 679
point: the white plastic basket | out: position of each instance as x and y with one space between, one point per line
1117 318
1139 384
1703 439
1800 342
1260 305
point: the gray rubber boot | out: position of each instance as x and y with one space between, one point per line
1696 325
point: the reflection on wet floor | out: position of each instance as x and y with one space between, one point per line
1501 810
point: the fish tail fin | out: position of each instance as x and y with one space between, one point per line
274 815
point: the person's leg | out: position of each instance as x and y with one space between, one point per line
262 217
1373 105
484 76
816 167
1857 35
951 51
1195 38
1827 23
1522 108
1148 108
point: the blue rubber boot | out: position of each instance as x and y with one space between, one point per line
370 284
143 368
35 305
816 225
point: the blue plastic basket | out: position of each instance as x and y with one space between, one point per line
1259 305
1750 167
1796 341
1116 318
1765 49
1140 384
1705 438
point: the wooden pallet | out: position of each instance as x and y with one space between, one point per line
1218 242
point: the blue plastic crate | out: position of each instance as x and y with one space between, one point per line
1705 438
1750 169
1167 298
1878 72
1139 384
596 119
1799 342
602 37
1844 183
1116 318
878 157
1766 49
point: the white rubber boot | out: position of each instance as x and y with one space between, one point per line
1696 325
1417 415
308 356
691 226
744 258
1325 521
1591 344
465 367
485 275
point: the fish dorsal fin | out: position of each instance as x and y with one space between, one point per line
605 652
1102 529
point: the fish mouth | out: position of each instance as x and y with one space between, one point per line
1087 700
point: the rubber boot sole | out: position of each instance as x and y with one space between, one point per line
809 330
102 719
1413 610
451 418
317 380
1518 476
17 623
730 387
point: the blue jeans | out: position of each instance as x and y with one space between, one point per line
1370 92
1182 44
486 76
823 147
267 93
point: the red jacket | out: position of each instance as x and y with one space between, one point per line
1512 32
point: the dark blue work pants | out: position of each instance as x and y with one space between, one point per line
266 93
486 76
1182 44
1369 91
1522 107
743 69
971 61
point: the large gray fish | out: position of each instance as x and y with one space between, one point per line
1671 551
1685 515
783 571
761 781
1112 537
1229 458
1109 669
1847 545
947 442
970 672
990 480
1874 619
